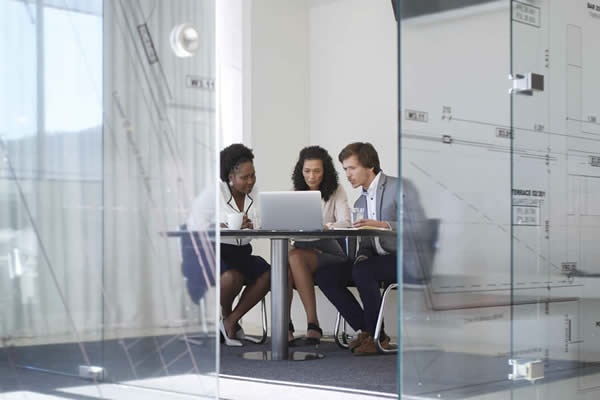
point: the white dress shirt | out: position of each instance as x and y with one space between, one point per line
371 195
203 212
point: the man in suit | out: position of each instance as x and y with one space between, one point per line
376 258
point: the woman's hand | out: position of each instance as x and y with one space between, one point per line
247 223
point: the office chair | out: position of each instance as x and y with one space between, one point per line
426 255
199 275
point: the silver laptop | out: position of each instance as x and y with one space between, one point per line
291 210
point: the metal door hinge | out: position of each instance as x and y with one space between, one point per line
91 372
526 370
526 84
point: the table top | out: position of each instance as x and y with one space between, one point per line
291 234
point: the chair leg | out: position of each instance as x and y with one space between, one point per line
339 320
345 333
197 340
379 325
263 307
202 305
263 314
200 339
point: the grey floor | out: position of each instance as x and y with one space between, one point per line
338 368
427 374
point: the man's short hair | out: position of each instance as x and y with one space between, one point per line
365 152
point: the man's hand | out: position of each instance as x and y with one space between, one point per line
371 222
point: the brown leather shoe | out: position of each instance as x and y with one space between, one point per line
359 339
368 347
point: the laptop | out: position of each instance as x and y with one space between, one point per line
294 211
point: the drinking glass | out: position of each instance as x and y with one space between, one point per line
356 214
254 217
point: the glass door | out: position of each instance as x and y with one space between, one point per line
159 295
555 208
50 185
107 134
455 149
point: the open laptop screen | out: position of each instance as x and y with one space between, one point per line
291 210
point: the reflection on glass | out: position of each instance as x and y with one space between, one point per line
102 153
460 314
510 182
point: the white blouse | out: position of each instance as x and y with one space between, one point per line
336 212
203 212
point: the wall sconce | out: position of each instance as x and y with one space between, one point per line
185 40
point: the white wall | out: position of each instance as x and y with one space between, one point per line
345 89
458 59
230 70
276 101
353 79
309 66
279 99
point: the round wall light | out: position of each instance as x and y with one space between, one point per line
185 40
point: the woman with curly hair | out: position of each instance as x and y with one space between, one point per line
315 171
237 194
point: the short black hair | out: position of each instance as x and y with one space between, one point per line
365 152
329 183
232 157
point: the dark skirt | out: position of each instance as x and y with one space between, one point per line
240 258
329 251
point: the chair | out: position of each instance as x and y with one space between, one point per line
351 246
199 273
426 254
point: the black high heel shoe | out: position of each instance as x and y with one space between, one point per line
313 341
291 343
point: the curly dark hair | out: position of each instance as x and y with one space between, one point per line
232 157
330 176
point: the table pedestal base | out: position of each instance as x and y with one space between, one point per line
292 356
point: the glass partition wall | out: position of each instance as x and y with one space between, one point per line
107 135
108 131
455 148
555 195
506 171
52 183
